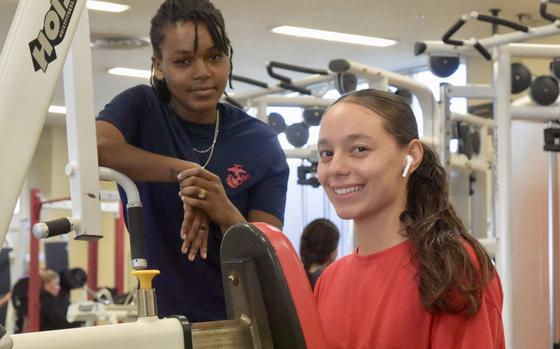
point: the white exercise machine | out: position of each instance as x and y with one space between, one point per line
266 303
498 49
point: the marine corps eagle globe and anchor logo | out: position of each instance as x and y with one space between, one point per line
237 176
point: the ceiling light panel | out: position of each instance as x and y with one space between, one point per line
57 109
106 6
134 73
333 36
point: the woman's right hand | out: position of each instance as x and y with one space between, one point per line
204 190
194 232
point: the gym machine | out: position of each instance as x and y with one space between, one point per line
269 305
343 75
269 301
508 78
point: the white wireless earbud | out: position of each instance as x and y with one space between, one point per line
409 159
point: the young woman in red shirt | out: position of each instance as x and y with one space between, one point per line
417 278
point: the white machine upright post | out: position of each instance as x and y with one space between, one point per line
33 53
82 165
261 112
502 83
552 228
473 209
442 126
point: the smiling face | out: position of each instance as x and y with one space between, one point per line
196 78
360 163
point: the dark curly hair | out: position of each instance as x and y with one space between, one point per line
318 240
181 11
448 279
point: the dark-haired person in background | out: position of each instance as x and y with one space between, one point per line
174 137
417 278
318 247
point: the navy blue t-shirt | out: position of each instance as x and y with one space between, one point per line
247 157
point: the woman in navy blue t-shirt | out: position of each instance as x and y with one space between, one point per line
200 166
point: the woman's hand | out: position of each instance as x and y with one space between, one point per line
194 232
204 190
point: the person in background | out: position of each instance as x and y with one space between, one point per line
5 299
68 279
174 137
53 305
318 247
19 299
417 278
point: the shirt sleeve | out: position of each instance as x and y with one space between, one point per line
269 194
484 330
124 111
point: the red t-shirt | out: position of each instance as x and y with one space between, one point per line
373 302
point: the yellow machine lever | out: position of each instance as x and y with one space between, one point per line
145 277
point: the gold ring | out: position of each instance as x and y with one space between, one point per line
202 194
203 227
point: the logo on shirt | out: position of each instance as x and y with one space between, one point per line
237 176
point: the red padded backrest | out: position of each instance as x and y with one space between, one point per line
300 288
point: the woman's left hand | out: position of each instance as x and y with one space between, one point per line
194 232
203 189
